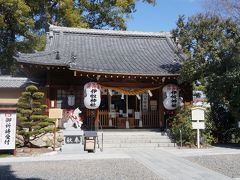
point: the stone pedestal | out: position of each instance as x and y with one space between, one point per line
73 141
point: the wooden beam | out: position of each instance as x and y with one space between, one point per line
161 109
8 108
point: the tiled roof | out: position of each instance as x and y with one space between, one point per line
13 82
108 51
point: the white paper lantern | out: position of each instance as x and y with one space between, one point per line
92 95
170 96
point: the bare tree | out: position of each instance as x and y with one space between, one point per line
223 8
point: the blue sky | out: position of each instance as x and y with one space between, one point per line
162 16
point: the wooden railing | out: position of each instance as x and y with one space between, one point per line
104 119
150 119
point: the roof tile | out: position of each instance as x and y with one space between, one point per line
109 51
12 82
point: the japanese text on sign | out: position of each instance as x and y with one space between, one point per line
7 130
92 95
72 139
145 102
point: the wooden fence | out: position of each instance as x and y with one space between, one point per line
149 119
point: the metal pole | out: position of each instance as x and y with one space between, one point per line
102 143
198 139
180 137
54 136
166 124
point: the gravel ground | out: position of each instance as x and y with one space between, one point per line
24 152
228 164
119 169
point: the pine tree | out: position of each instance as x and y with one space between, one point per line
32 121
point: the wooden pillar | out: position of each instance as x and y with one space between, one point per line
109 110
140 111
127 122
48 101
161 109
15 152
96 123
136 103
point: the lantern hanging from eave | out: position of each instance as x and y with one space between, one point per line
92 95
170 96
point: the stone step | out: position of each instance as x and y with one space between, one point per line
135 139
123 137
107 141
133 133
138 145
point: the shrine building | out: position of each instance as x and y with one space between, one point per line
132 69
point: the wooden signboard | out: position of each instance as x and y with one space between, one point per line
198 114
198 125
55 113
7 130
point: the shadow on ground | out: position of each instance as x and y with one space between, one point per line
7 174
230 146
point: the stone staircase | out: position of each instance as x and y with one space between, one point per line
137 138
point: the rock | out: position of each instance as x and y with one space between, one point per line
26 150
19 150
44 138
47 140
57 149
19 140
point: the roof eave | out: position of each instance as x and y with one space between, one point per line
45 64
121 73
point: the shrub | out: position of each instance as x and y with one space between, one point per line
232 135
182 121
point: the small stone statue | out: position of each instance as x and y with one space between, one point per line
74 121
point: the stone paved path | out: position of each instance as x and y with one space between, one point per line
167 163
174 168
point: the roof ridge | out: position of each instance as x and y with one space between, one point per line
107 32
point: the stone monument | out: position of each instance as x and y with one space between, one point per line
73 134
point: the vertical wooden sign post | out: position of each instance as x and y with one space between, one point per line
55 113
198 121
